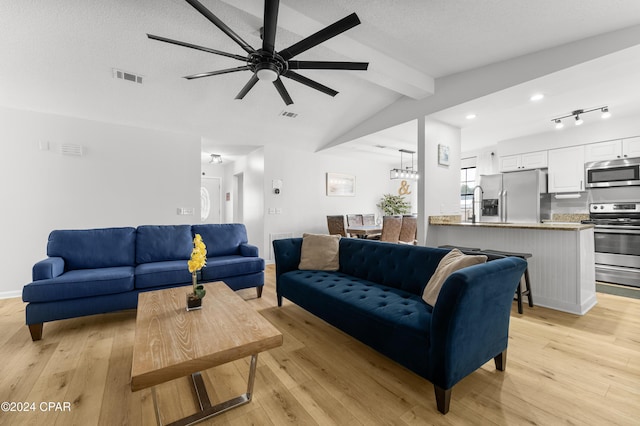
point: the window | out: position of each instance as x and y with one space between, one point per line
467 183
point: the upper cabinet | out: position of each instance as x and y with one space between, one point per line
566 169
610 150
631 147
530 160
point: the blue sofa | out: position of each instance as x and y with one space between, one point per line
376 297
94 271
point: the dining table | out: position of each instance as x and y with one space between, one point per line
364 231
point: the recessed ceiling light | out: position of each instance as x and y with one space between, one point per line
471 116
536 97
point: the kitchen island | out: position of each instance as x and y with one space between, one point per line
562 266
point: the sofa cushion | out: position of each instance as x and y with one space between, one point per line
80 283
221 267
402 266
222 239
93 248
165 242
375 304
320 252
453 261
158 274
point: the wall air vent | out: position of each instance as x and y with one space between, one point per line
124 75
289 114
71 149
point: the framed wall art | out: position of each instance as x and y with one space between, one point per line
443 155
341 185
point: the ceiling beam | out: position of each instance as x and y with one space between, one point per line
466 86
383 70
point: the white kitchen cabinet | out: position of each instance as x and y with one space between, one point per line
603 151
611 150
528 161
631 147
566 169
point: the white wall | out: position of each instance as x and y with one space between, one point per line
441 183
252 169
128 176
303 201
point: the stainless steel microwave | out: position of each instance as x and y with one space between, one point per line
621 172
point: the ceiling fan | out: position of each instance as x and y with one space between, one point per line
268 65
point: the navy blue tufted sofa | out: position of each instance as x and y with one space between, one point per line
93 271
376 297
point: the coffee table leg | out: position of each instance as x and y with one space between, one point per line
206 409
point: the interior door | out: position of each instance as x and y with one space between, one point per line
210 200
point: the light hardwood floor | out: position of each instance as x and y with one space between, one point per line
561 369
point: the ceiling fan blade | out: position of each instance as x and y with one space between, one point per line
323 35
224 71
193 46
252 82
218 23
270 25
283 92
308 82
328 65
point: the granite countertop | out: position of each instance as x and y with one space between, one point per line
549 226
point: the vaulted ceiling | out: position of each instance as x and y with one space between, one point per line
59 57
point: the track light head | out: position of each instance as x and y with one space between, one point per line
605 113
559 123
579 120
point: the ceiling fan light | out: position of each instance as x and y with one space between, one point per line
266 74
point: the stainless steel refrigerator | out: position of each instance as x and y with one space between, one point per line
515 197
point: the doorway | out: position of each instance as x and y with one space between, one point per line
238 199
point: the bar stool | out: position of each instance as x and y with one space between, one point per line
527 283
463 249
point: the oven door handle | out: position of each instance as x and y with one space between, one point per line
633 230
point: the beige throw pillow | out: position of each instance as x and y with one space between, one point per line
453 261
319 252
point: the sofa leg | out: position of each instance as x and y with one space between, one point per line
501 360
443 397
259 291
36 331
279 300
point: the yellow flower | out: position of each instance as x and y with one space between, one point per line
198 255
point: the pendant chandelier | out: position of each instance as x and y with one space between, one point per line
405 172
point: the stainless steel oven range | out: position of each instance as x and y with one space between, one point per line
617 241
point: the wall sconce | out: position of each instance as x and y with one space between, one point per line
577 115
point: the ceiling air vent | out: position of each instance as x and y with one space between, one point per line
123 75
71 149
289 114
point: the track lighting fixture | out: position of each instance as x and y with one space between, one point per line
577 115
404 172
215 159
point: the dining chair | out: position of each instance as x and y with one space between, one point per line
409 230
391 228
336 225
354 220
368 219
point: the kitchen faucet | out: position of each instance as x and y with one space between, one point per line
473 202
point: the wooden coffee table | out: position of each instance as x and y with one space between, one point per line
171 343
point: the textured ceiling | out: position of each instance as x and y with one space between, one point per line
58 58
